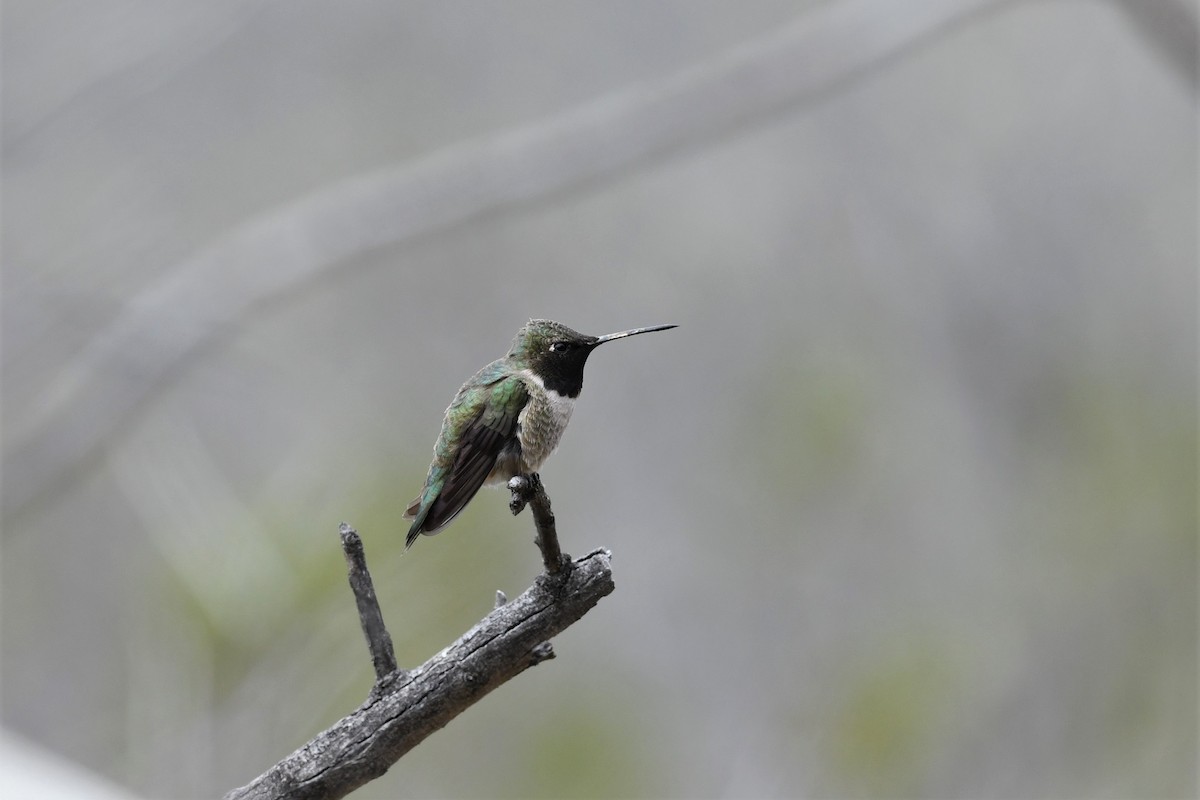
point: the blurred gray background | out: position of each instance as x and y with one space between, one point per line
905 507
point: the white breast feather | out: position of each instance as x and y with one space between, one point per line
559 408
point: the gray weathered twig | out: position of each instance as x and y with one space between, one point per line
379 642
528 489
405 707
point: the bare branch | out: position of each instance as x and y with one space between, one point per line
379 642
528 489
404 708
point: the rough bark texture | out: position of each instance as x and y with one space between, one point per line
404 708
379 641
528 490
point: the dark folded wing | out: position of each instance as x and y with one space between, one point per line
479 445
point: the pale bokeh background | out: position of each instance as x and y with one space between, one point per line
905 507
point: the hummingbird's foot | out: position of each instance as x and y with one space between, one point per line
522 492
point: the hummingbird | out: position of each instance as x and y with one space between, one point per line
506 420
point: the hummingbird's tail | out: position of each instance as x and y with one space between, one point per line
417 515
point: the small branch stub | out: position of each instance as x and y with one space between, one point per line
528 490
379 641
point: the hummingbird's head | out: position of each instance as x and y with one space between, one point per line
557 354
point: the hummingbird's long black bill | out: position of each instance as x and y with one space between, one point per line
632 332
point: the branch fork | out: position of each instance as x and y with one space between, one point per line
405 706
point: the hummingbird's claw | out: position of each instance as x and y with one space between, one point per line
521 492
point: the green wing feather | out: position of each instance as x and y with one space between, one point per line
480 424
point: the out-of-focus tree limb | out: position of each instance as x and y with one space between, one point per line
1172 30
200 298
405 707
164 43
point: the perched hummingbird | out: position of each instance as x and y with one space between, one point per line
506 420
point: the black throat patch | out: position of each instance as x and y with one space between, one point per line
564 374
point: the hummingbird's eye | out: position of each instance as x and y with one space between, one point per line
560 347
